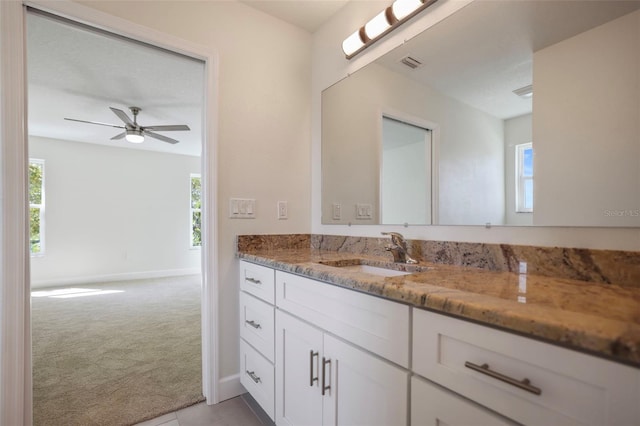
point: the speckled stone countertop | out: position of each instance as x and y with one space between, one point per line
600 319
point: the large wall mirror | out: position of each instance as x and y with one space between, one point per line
505 113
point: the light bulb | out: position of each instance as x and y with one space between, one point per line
134 136
377 25
352 43
403 8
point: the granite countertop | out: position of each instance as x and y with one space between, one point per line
600 319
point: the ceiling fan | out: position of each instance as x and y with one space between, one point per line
135 133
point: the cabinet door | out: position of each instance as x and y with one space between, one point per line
361 389
298 352
433 406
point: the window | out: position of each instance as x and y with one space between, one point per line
36 206
524 178
196 211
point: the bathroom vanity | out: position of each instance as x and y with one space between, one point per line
330 338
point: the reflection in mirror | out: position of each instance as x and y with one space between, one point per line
582 123
405 173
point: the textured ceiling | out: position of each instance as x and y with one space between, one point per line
483 52
479 56
79 73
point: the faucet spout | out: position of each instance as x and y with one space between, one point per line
398 248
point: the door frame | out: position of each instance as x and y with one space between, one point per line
15 297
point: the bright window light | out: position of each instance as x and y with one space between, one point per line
92 293
377 25
403 8
352 43
63 293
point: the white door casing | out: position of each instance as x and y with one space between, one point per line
15 338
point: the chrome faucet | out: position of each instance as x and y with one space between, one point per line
398 248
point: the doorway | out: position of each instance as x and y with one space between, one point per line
16 380
115 266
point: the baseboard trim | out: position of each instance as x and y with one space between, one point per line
114 277
230 387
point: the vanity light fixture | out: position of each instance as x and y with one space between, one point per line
524 92
381 24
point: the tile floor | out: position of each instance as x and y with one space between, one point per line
233 412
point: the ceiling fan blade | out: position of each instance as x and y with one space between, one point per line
122 116
95 122
119 136
160 137
167 128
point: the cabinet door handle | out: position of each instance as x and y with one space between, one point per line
253 376
253 280
253 324
524 384
324 374
312 379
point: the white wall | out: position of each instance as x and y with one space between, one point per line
113 213
329 66
597 143
263 125
517 131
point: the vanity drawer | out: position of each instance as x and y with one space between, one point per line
375 324
258 378
432 405
257 324
257 280
574 388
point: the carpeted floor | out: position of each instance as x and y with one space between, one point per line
119 357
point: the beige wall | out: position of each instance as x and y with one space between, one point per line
264 120
329 66
587 145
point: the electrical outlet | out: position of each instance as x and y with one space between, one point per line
283 211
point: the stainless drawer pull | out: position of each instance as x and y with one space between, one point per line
253 376
253 324
312 379
524 384
324 374
253 280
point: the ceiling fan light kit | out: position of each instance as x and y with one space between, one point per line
135 133
134 136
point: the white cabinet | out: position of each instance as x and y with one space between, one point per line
361 389
258 377
531 382
298 348
370 322
322 380
257 322
318 354
433 406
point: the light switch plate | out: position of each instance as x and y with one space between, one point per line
364 211
242 208
337 211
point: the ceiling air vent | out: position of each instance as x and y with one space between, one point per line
412 63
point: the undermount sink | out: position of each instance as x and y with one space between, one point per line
374 268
